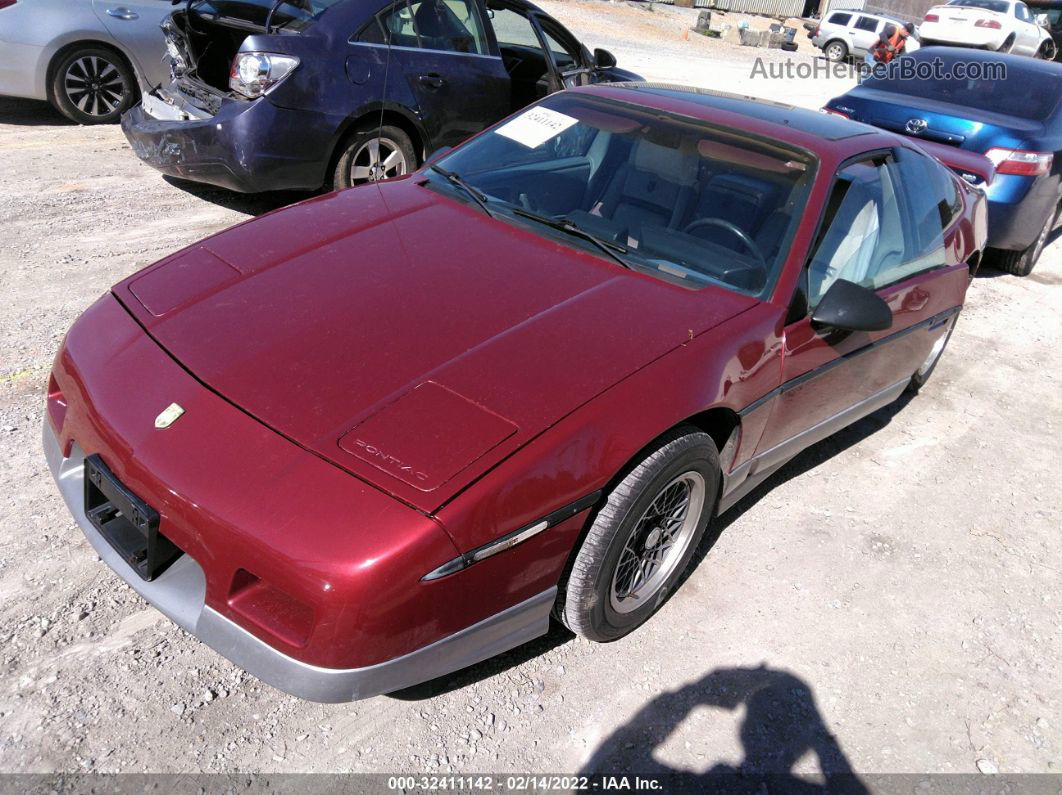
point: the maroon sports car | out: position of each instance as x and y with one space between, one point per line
384 434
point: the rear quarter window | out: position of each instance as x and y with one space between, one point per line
840 19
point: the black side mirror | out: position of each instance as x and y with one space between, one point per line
442 150
603 59
849 307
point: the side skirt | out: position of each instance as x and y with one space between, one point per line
753 472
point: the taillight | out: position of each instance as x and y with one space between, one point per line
1020 162
254 73
816 33
988 23
56 402
932 18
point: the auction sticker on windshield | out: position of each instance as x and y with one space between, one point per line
536 126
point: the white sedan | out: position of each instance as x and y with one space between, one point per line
1001 25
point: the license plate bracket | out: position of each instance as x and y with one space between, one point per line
129 524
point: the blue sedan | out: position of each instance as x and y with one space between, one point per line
1013 118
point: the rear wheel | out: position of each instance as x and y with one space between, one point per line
642 540
922 374
93 85
1007 45
1021 263
372 153
835 50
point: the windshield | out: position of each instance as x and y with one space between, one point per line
1028 92
673 197
999 6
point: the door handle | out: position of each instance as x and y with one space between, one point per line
432 80
123 13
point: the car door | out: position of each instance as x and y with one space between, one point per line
441 51
568 65
135 25
529 67
864 32
883 228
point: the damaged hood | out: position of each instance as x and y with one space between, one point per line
405 336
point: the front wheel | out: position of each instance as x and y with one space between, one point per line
1048 50
372 153
835 51
93 85
643 538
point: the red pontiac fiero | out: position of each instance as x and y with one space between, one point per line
378 436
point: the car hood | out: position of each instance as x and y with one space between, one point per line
405 336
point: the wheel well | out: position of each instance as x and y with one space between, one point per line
76 45
390 117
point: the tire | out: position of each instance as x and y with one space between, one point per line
1021 263
789 46
365 152
835 50
1007 45
923 373
93 85
1048 50
604 599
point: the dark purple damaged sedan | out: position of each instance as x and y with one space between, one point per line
309 93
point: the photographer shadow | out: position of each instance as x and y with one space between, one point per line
781 725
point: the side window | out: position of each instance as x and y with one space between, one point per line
840 19
862 239
514 30
566 55
1021 11
450 25
932 201
867 23
394 25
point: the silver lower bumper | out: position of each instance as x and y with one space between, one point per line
180 593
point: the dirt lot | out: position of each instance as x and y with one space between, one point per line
889 602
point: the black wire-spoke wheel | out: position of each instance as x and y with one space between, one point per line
642 538
93 85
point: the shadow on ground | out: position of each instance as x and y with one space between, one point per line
558 635
246 203
781 724
31 113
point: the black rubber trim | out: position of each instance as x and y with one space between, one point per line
933 322
462 562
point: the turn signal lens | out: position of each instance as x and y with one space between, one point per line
1022 163
988 23
931 18
254 73
56 402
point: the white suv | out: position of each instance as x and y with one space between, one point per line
843 34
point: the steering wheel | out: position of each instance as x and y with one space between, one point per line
733 229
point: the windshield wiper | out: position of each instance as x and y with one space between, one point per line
613 250
456 179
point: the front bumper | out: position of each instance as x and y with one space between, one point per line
180 592
247 146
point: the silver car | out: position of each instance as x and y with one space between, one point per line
850 33
89 58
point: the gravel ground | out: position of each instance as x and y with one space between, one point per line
889 602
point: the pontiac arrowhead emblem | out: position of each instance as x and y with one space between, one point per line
168 416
